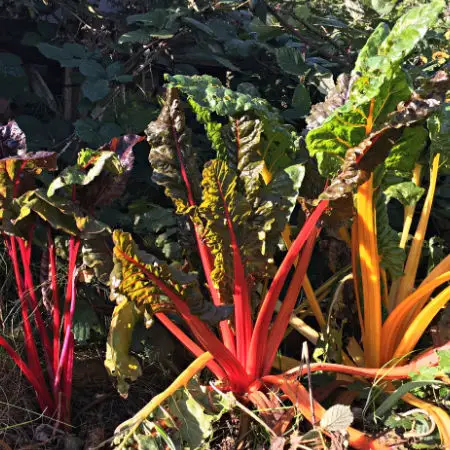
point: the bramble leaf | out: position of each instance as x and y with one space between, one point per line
337 418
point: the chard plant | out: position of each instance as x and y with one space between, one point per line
27 210
240 204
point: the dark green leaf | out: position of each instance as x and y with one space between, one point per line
92 69
301 100
393 399
95 89
291 61
392 257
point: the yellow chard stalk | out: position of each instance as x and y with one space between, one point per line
407 281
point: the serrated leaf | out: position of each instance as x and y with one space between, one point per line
61 55
87 131
95 89
92 69
291 61
407 193
444 360
337 418
114 70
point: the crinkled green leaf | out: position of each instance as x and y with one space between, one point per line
380 85
118 362
361 160
278 145
209 92
407 193
406 152
213 129
392 257
221 199
242 138
257 224
171 154
439 127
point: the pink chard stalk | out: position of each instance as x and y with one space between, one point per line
23 208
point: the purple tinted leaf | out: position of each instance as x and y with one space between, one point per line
12 140
123 147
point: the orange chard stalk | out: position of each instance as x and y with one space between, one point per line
393 326
370 273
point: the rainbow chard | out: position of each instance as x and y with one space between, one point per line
239 205
24 208
237 219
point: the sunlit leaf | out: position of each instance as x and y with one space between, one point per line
119 363
337 418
